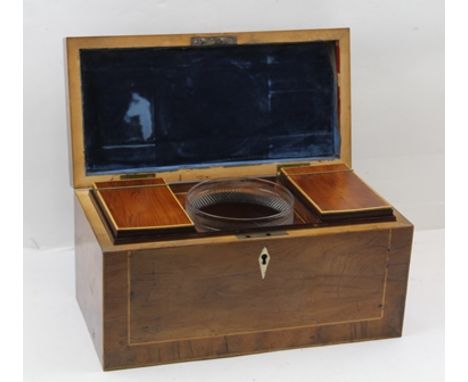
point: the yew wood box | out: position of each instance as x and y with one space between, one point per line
152 116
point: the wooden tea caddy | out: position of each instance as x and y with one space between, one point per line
168 296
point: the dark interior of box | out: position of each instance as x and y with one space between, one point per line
150 109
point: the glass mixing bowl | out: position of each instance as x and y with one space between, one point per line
239 204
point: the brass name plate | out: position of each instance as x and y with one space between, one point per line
214 41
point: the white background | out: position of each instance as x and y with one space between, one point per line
397 52
397 85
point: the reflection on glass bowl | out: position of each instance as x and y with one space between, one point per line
239 204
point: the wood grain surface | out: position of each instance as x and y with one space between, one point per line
141 205
335 191
216 292
329 279
162 312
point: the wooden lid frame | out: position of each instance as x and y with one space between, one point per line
74 44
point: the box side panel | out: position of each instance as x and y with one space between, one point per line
398 269
88 271
399 253
172 305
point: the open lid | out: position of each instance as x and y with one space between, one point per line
190 107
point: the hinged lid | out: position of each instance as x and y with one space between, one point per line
199 106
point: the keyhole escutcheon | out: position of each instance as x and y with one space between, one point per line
263 261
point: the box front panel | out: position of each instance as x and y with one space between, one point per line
218 290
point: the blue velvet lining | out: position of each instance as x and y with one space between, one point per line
150 109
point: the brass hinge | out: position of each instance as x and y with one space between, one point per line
137 176
297 164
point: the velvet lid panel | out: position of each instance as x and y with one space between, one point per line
148 109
